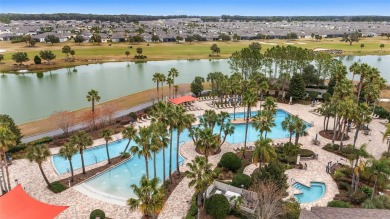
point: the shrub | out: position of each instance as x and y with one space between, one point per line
17 148
290 149
367 190
97 213
193 211
57 187
217 206
358 197
37 60
241 179
343 185
339 204
378 202
306 153
326 96
338 175
385 154
41 141
291 209
274 172
230 161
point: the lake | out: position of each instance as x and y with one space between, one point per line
28 97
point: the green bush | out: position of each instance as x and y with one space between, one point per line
306 153
326 96
367 190
338 175
343 185
230 161
217 206
241 179
37 60
193 211
274 172
291 209
358 197
382 112
97 213
17 148
378 202
41 141
57 187
339 204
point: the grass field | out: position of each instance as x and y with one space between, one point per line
89 53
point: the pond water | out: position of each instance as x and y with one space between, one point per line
28 97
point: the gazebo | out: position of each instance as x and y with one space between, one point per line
183 99
18 204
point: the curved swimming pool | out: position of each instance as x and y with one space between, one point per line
309 194
117 181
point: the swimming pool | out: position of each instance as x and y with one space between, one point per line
117 181
309 194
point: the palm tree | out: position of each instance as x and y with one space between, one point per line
81 140
172 74
380 169
129 133
250 99
355 157
270 105
263 122
169 82
158 78
385 136
300 128
143 149
93 96
183 123
7 139
150 199
159 141
264 152
201 177
67 152
106 134
38 154
288 124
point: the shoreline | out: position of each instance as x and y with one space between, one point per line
45 125
95 54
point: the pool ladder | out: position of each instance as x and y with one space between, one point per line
292 181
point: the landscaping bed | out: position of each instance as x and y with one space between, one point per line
328 134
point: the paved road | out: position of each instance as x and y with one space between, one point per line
80 126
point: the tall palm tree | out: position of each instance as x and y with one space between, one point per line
201 177
143 149
263 122
7 139
270 105
67 152
39 154
300 128
81 140
93 96
380 169
172 74
264 152
106 134
288 124
159 140
355 158
250 100
169 82
150 199
183 123
129 133
158 78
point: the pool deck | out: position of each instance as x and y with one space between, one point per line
177 205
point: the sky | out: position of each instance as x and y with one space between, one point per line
201 7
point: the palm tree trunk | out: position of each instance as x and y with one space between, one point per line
373 192
2 178
43 174
177 153
296 138
334 130
158 93
246 125
290 137
128 143
356 182
356 136
82 160
154 164
6 172
108 153
342 136
170 154
93 114
164 164
162 91
147 167
71 169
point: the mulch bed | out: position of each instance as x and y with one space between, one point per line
211 153
328 134
176 179
78 178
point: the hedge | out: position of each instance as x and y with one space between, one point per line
230 161
41 141
57 187
217 206
97 213
241 179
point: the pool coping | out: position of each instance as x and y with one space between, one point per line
309 187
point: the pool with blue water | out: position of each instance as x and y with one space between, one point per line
309 194
117 181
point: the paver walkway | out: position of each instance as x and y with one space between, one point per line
81 205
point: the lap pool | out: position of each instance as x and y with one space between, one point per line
117 181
